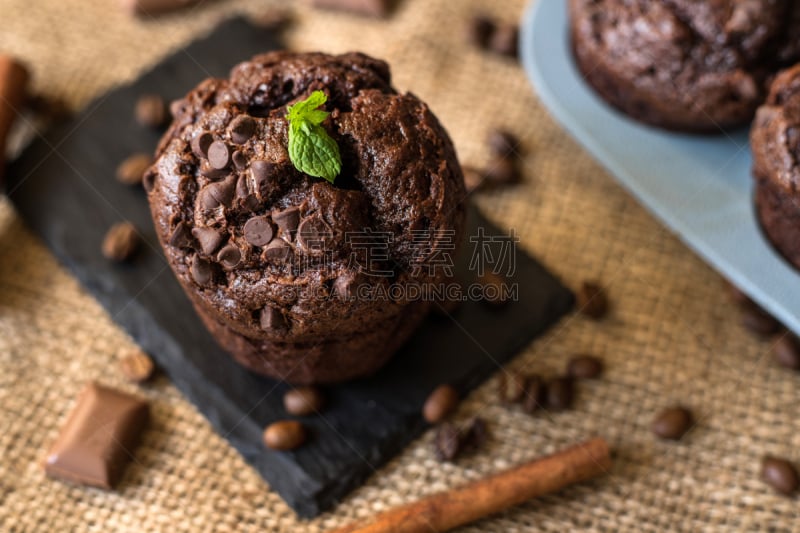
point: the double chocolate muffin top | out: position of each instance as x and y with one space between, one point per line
244 230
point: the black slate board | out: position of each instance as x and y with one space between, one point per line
70 198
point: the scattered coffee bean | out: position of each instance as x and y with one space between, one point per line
287 220
284 435
503 143
584 367
272 319
229 257
131 170
473 179
479 30
758 321
202 271
303 401
277 251
511 387
136 366
592 300
200 144
258 231
787 351
151 111
494 285
780 474
219 155
477 433
450 441
503 171
121 242
672 423
314 234
209 239
441 402
242 128
535 395
504 40
559 393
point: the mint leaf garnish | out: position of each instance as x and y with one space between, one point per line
311 149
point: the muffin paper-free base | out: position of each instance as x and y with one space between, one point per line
70 198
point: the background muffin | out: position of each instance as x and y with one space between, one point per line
272 257
682 64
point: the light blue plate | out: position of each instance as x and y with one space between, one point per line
698 186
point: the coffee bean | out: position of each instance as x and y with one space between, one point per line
503 143
239 160
313 234
287 220
242 128
672 423
219 155
780 474
504 40
447 442
229 257
758 321
272 319
473 179
559 393
258 231
584 367
121 242
494 293
284 435
202 272
511 387
592 300
151 111
181 236
136 366
131 170
534 396
476 434
502 171
209 239
787 351
277 251
303 401
441 402
479 29
200 144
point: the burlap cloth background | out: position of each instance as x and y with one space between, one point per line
672 336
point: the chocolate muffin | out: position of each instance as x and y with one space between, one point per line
283 267
775 142
688 65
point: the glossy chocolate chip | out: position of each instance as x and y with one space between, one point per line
200 144
672 423
210 172
218 193
287 220
780 474
202 272
258 231
219 155
261 172
242 128
313 234
209 239
271 319
239 160
181 236
230 256
277 251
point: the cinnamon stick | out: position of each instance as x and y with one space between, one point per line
13 80
481 498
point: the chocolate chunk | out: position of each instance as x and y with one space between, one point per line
503 143
672 423
287 220
502 171
96 442
151 111
242 128
136 366
780 474
494 289
284 435
511 387
261 172
230 256
201 271
535 394
787 351
200 144
219 193
303 401
272 319
209 239
592 300
121 242
584 367
560 393
758 321
239 160
181 236
219 155
277 251
258 231
370 8
441 402
504 40
314 234
479 29
131 170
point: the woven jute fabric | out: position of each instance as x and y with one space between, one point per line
672 335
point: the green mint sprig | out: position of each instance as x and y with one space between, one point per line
311 149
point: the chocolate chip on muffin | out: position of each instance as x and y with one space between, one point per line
260 245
